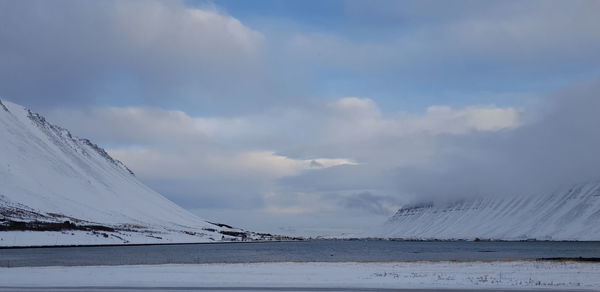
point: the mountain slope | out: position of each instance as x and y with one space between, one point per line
51 180
572 214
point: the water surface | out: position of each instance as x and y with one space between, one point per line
300 251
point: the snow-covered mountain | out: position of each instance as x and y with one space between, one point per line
570 214
56 188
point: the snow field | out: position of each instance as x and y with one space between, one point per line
474 275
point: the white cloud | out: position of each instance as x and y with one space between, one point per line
262 166
324 133
361 116
125 126
356 128
257 157
170 29
444 119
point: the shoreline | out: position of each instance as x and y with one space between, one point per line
281 241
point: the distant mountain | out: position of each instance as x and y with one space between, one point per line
571 214
56 188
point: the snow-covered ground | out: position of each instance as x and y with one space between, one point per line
76 237
477 275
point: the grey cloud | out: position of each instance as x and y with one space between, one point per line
376 204
561 147
68 53
210 192
401 158
164 53
461 46
180 154
557 145
341 178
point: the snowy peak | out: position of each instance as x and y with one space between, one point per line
570 214
62 136
3 106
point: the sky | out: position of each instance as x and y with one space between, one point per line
317 117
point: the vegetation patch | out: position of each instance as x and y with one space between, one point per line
10 225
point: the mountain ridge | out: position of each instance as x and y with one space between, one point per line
56 188
568 214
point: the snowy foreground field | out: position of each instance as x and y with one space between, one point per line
432 275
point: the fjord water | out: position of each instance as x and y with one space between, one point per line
298 251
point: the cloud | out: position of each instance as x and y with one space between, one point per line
122 52
550 148
284 161
507 30
441 49
380 205
356 128
444 119
556 149
436 120
173 55
127 126
334 157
